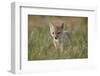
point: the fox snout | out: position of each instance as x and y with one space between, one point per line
57 35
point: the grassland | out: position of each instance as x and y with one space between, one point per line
40 46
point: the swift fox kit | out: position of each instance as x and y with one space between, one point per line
61 38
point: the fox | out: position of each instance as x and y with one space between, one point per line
61 38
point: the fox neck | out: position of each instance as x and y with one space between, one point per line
58 43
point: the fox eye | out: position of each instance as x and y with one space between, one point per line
58 32
52 32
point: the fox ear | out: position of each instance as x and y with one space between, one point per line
50 25
62 26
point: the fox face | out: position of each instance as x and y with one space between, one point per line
56 30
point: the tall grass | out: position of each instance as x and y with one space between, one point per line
40 45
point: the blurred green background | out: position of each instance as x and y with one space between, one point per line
40 45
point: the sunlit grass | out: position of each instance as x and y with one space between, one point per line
40 46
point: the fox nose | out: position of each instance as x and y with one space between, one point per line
55 37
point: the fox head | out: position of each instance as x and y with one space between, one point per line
56 30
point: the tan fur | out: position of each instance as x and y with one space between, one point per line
61 38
